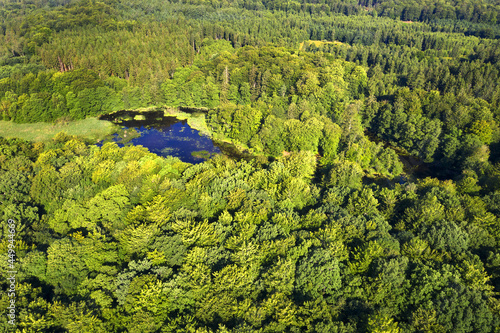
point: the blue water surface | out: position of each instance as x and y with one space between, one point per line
177 140
167 136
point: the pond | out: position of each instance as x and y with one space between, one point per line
164 136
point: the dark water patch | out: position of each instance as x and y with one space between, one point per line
413 165
178 140
168 136
150 119
230 150
193 109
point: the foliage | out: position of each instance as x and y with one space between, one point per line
321 234
235 244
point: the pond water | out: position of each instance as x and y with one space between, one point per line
163 135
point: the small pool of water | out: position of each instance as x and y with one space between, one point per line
164 135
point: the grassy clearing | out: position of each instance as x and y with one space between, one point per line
90 128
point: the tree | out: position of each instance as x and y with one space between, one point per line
345 173
317 275
70 260
109 207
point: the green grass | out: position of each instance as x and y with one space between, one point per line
90 128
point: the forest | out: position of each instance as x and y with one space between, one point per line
371 202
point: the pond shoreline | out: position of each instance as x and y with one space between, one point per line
191 115
164 119
196 119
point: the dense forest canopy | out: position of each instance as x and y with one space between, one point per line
332 226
